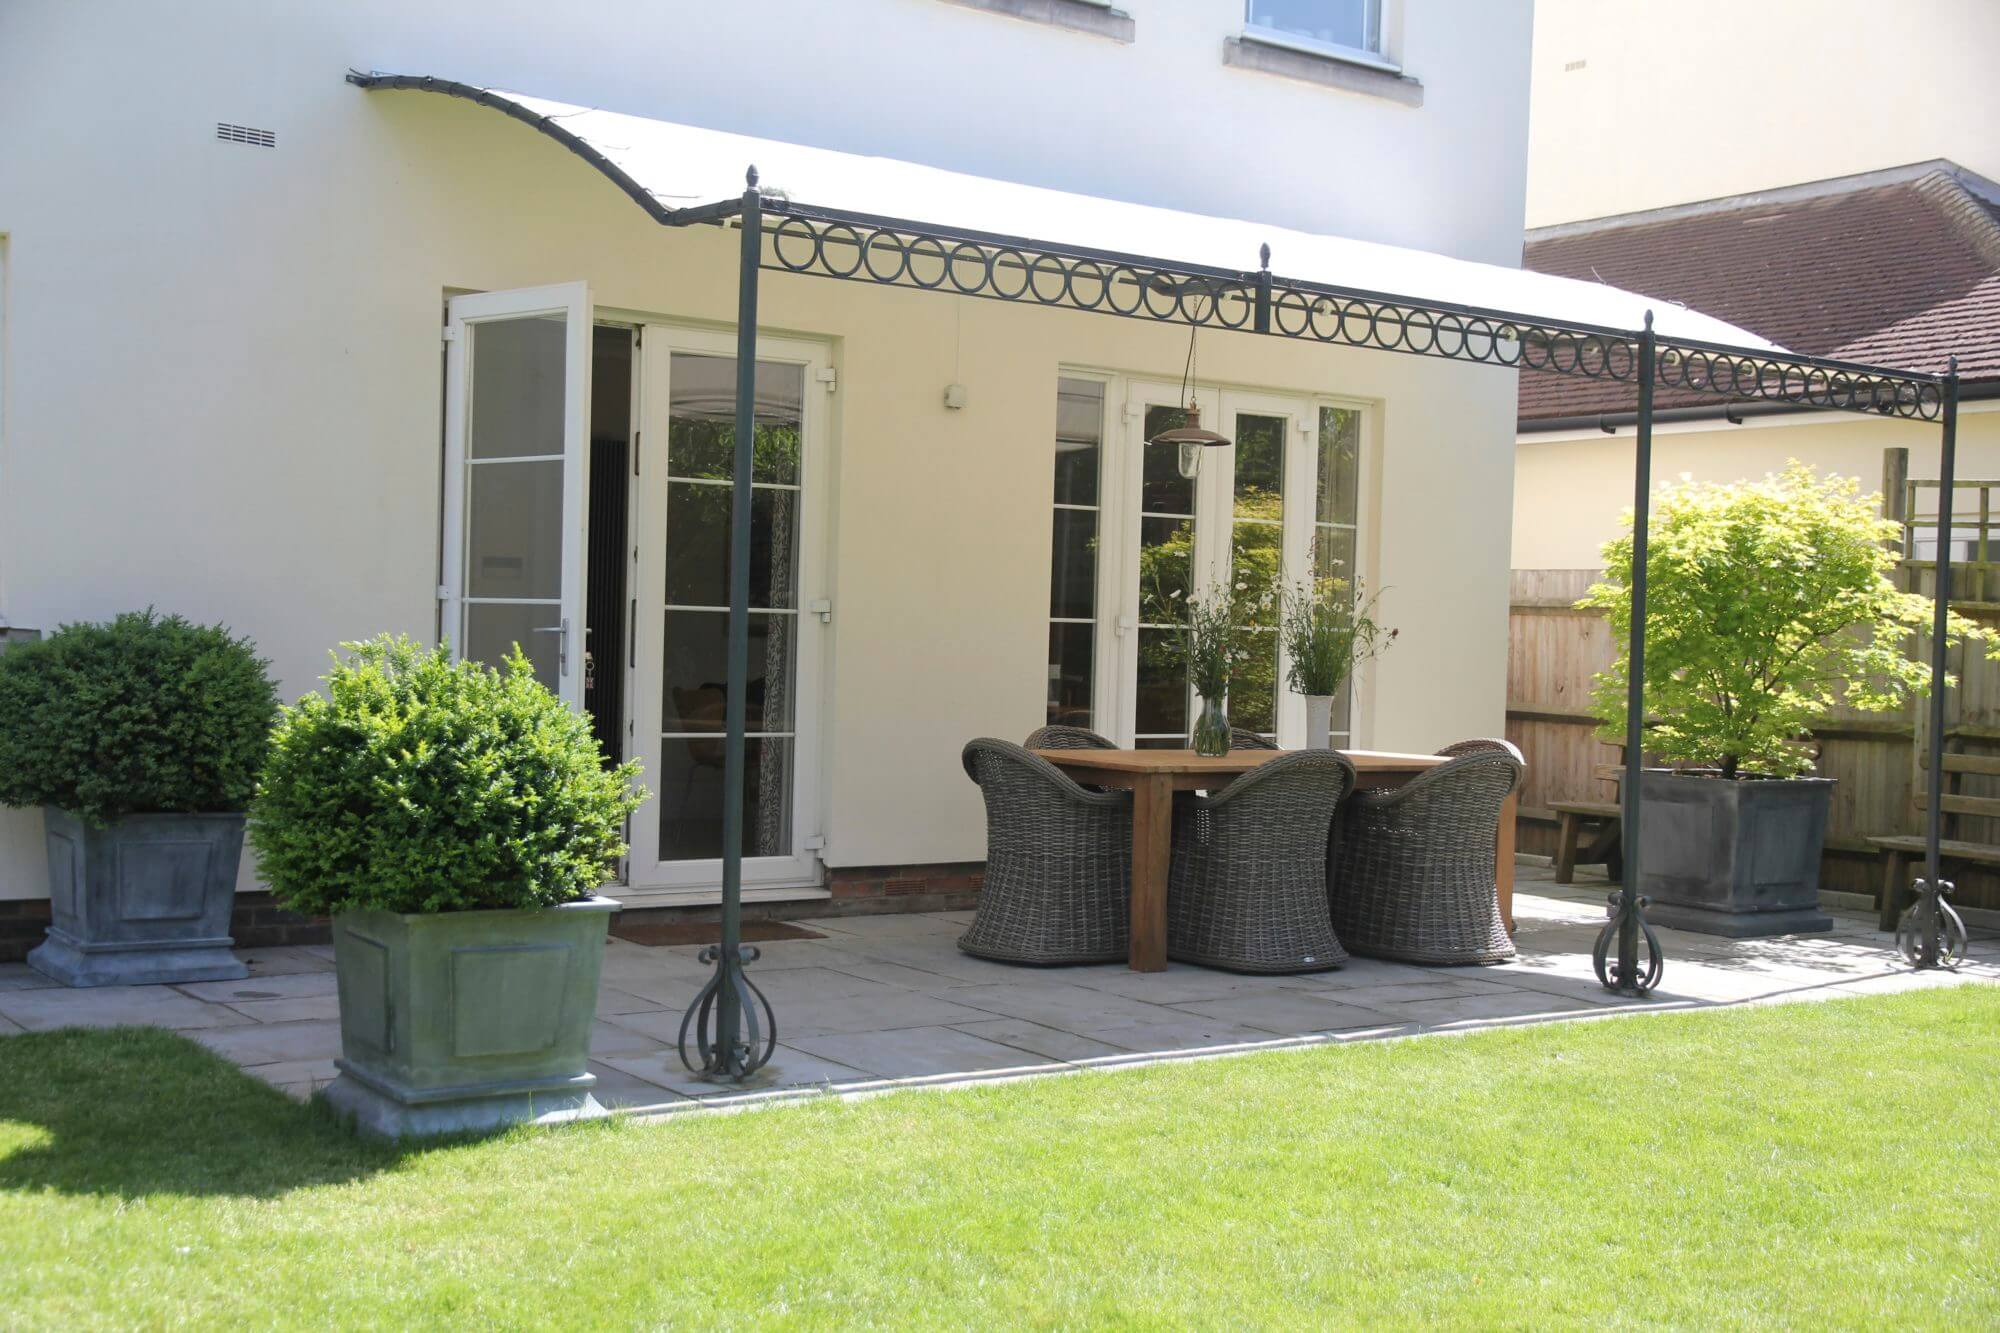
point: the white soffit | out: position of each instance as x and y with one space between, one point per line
683 166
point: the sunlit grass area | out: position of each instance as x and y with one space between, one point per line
1803 1165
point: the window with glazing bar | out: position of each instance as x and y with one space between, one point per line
1073 558
1346 28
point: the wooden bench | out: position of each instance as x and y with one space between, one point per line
1900 848
1603 820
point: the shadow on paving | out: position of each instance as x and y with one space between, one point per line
133 1112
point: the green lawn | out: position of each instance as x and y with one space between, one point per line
1807 1165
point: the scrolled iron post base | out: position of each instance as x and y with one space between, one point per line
1932 933
734 1028
1611 973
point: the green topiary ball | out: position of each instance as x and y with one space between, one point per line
420 784
142 714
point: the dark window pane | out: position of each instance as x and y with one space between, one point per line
1256 567
1253 691
1073 565
492 629
1070 652
1166 548
1162 695
698 545
1260 466
701 439
697 671
1339 464
1164 490
514 528
518 381
1333 554
1079 440
690 787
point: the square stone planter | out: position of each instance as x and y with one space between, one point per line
1738 858
144 899
467 1021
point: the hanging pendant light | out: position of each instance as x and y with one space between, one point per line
1189 437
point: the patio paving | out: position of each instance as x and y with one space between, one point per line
887 1000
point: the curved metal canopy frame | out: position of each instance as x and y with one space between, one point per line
789 236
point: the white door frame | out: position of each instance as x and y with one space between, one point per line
1118 586
572 301
650 880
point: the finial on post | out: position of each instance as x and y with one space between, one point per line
1264 255
750 176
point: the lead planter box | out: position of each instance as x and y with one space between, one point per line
143 899
1737 858
457 1021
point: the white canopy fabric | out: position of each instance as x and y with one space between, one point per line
683 166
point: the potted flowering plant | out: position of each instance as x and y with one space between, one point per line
456 823
1329 629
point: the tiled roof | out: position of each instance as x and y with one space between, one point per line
1898 274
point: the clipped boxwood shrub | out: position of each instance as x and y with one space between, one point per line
141 714
420 784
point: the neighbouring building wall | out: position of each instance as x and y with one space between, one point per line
227 366
1640 105
1570 491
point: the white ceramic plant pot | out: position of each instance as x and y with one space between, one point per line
1319 718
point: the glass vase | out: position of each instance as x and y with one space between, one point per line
1211 727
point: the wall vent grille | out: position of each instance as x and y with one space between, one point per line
246 134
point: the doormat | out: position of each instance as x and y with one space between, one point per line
654 935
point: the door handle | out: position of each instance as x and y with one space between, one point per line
562 643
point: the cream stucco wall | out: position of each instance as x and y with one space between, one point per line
1571 491
1700 99
226 390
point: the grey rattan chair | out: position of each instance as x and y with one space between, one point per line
1239 739
1247 887
1058 885
1066 738
1482 746
1412 869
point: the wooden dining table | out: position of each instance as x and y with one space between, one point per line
1153 776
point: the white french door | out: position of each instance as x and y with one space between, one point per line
517 405
679 647
1271 508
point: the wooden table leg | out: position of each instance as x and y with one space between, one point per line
1152 849
1503 859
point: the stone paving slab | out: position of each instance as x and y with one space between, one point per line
888 999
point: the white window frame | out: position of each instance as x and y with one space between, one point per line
572 301
1115 704
1372 56
1107 485
651 881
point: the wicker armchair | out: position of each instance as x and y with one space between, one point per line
1482 746
1065 738
1247 887
1412 867
1058 885
1239 739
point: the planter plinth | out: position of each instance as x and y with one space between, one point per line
406 1114
1734 858
467 1021
141 901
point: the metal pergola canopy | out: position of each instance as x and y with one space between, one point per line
733 1026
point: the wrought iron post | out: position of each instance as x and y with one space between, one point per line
1627 925
735 1030
1932 934
1262 319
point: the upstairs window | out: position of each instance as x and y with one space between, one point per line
1347 29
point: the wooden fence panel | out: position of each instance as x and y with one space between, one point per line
1555 650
